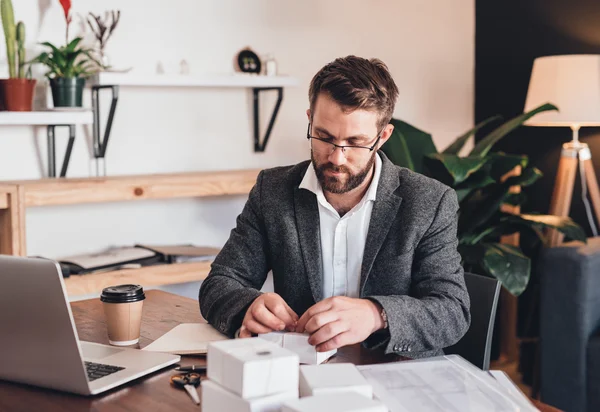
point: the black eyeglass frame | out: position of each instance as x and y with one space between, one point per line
343 147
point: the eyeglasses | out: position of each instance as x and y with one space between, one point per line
326 147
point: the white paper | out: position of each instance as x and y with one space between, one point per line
509 385
441 384
186 339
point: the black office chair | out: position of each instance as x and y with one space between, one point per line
476 345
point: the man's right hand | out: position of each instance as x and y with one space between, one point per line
268 313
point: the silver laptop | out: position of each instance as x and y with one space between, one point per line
39 343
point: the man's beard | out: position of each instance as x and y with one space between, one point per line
335 185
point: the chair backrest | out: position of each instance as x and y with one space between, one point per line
476 345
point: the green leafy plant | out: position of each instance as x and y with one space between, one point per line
482 190
15 41
68 61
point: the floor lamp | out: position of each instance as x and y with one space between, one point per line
572 83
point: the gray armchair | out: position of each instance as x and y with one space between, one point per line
570 326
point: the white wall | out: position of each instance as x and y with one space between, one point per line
427 44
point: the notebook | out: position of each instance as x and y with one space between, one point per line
186 339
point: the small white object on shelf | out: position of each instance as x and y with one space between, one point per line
215 398
333 378
46 117
298 343
340 402
252 367
192 80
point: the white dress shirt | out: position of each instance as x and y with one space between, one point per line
342 238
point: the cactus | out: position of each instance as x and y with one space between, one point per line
10 33
21 48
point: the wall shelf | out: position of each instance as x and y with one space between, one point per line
113 82
52 192
46 118
51 119
183 80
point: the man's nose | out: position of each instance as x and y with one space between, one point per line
337 157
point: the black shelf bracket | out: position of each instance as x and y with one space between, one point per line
52 149
100 145
258 145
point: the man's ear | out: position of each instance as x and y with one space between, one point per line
308 114
385 134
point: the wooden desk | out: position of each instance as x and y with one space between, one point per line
162 312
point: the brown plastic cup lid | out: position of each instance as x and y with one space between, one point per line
122 294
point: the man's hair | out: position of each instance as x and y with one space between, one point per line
357 83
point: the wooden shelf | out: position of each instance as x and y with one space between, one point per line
78 285
182 80
45 118
47 192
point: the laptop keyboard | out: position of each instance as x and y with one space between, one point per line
99 370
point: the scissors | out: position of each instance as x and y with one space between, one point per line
189 382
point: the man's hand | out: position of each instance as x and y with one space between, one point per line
268 313
339 321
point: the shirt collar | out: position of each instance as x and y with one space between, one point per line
310 181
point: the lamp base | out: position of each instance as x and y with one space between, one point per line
572 154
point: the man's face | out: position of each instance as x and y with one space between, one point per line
340 172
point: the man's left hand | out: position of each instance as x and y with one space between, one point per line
339 321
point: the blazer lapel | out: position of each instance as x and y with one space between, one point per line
385 208
307 221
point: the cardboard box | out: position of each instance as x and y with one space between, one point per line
215 398
298 343
252 367
333 378
339 402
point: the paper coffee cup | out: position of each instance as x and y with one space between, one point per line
123 312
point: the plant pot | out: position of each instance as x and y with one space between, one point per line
67 91
16 95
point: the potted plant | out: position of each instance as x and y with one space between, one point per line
482 190
69 66
16 92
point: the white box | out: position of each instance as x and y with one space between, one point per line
298 342
339 402
215 398
252 367
333 378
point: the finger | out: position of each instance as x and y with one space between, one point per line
262 315
319 307
254 327
244 332
321 319
338 341
278 308
328 332
291 311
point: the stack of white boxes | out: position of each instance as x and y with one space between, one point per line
249 375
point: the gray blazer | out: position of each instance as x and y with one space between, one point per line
411 265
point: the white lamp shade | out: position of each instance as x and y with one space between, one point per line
571 83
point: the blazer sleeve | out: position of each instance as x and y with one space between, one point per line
436 315
239 270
